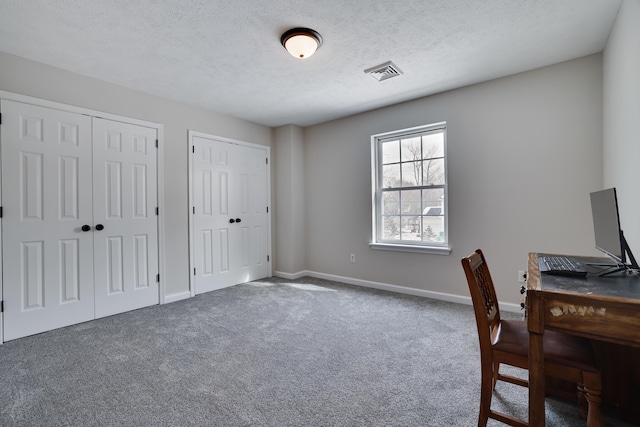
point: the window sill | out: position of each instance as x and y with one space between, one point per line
435 250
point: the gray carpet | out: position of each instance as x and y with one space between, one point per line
269 353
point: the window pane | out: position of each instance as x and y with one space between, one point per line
433 145
433 202
411 149
410 228
411 174
391 176
391 227
433 171
411 202
391 203
433 215
390 152
433 229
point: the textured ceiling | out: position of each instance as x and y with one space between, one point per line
226 56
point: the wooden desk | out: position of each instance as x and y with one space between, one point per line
601 308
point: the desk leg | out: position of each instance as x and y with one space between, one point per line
535 325
536 380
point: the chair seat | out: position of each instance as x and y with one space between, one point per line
561 349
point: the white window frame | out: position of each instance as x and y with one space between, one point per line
376 195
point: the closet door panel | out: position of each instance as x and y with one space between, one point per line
125 201
46 190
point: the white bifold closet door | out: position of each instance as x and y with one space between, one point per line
124 215
63 175
46 198
230 233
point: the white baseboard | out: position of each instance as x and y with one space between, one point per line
177 297
292 276
505 306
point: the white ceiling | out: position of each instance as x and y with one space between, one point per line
226 56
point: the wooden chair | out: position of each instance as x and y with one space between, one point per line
566 357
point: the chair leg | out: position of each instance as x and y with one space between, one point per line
496 371
486 391
593 390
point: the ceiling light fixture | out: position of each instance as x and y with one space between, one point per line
301 42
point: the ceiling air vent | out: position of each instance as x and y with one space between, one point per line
384 71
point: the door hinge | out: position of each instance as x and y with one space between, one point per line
158 278
267 159
0 118
267 258
1 306
193 148
157 143
194 271
157 211
267 209
1 213
194 210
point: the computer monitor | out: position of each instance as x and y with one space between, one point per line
607 230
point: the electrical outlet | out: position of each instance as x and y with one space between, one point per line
352 257
522 276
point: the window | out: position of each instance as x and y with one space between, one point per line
409 174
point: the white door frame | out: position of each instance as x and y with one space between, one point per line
160 173
194 134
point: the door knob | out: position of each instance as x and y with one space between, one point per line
231 221
238 220
99 227
86 228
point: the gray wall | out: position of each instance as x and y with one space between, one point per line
524 153
34 79
621 112
289 200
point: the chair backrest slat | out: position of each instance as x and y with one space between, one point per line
483 296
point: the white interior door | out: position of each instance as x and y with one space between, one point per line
46 196
126 223
230 219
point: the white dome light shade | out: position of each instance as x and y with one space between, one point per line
301 46
301 42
